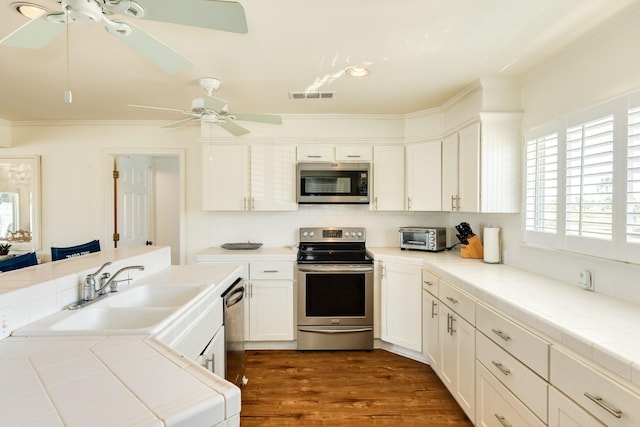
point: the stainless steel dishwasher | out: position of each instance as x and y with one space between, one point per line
233 299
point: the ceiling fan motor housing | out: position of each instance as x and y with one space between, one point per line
82 11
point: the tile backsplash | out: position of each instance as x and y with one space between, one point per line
278 229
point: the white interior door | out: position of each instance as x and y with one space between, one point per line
134 224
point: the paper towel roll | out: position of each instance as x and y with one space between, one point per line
492 245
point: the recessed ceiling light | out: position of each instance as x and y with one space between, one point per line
29 10
358 72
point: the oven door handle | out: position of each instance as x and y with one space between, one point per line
335 331
335 269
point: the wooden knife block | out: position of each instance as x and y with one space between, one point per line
473 250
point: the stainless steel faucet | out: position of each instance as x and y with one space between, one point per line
89 285
91 293
107 280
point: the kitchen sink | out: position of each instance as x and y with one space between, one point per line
140 309
110 318
150 295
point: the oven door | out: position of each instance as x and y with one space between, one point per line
335 295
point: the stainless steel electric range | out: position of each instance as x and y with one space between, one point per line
335 290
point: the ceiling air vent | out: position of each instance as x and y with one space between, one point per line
311 95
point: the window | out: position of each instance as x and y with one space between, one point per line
589 179
542 184
633 176
582 182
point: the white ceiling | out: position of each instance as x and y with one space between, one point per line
421 53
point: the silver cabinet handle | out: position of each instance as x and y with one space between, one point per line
604 405
375 202
270 271
501 367
353 156
426 282
408 203
314 156
455 206
244 203
253 203
453 300
453 319
502 420
449 323
434 305
501 334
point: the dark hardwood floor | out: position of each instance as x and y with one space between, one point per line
344 388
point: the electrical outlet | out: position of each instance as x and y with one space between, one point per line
4 322
585 279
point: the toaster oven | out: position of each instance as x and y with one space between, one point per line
432 239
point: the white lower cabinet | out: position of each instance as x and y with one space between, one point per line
430 334
457 358
606 399
497 406
563 412
401 305
270 301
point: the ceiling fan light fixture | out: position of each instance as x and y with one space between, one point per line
29 10
357 72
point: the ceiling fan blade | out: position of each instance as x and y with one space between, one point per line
213 103
233 128
180 122
35 34
158 108
216 15
260 118
154 50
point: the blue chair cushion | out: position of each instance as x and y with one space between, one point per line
74 251
19 261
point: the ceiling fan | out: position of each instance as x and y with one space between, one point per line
210 109
213 14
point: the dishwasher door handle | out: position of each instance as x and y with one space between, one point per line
234 297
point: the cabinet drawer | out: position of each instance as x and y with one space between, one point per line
458 300
271 270
522 382
530 349
604 398
497 407
430 282
564 413
315 153
353 154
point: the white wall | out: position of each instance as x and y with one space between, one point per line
75 177
594 71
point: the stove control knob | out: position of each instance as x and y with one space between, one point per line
359 233
346 234
305 234
311 234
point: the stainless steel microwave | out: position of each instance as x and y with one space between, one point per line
333 183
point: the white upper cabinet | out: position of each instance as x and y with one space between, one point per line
481 165
330 153
360 153
225 177
315 153
273 178
423 171
241 178
388 178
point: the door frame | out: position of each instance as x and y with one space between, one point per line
109 157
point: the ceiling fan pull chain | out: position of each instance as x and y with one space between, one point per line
68 97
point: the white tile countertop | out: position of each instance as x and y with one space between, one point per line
119 380
600 328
